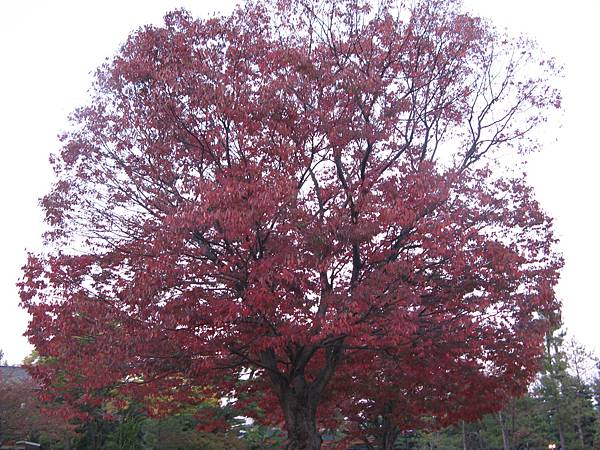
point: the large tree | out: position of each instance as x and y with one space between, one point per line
310 195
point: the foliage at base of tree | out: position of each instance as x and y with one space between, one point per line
132 429
561 407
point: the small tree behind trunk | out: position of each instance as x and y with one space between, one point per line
505 437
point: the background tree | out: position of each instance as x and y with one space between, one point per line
581 364
558 403
595 387
23 417
565 392
555 389
306 190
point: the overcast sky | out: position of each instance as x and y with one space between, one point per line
49 48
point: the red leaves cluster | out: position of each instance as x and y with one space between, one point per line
301 192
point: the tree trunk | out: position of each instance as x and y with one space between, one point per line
561 436
390 435
580 431
389 441
300 410
505 439
464 436
299 398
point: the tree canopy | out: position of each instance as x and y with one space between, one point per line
300 204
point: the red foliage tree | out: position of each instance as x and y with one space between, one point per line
308 190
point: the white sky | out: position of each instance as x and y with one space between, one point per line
49 48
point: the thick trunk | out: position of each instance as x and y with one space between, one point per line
388 431
299 398
389 439
300 412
